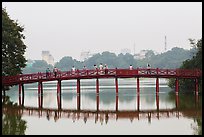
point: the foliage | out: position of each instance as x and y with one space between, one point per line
12 124
194 63
174 58
13 48
66 64
38 66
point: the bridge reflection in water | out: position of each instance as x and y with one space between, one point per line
102 115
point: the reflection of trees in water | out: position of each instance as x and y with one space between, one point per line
109 97
189 101
12 123
68 95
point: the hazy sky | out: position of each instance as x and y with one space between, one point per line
67 29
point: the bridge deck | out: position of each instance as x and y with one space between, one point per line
105 73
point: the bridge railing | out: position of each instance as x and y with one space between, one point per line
188 73
185 73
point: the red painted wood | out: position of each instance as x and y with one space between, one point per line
97 87
177 86
138 86
97 103
116 103
157 86
116 86
112 73
138 102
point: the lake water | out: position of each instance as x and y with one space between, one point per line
128 113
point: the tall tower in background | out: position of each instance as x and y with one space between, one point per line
165 48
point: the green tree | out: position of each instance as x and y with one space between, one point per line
12 122
13 48
38 66
194 63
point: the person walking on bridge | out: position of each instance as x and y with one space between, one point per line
148 68
73 70
55 70
106 68
47 72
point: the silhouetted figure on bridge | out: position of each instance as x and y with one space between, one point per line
73 70
130 67
95 67
106 68
101 68
55 70
84 68
148 68
47 72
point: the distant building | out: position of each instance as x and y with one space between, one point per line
85 55
145 54
46 56
125 51
141 54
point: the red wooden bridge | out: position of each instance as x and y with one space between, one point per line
104 73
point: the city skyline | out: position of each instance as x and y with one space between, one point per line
67 29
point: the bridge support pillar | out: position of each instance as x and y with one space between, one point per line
177 101
157 86
177 86
97 103
138 102
40 94
116 86
78 86
196 86
97 94
97 87
116 103
59 90
78 95
40 88
59 87
78 102
138 86
157 102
